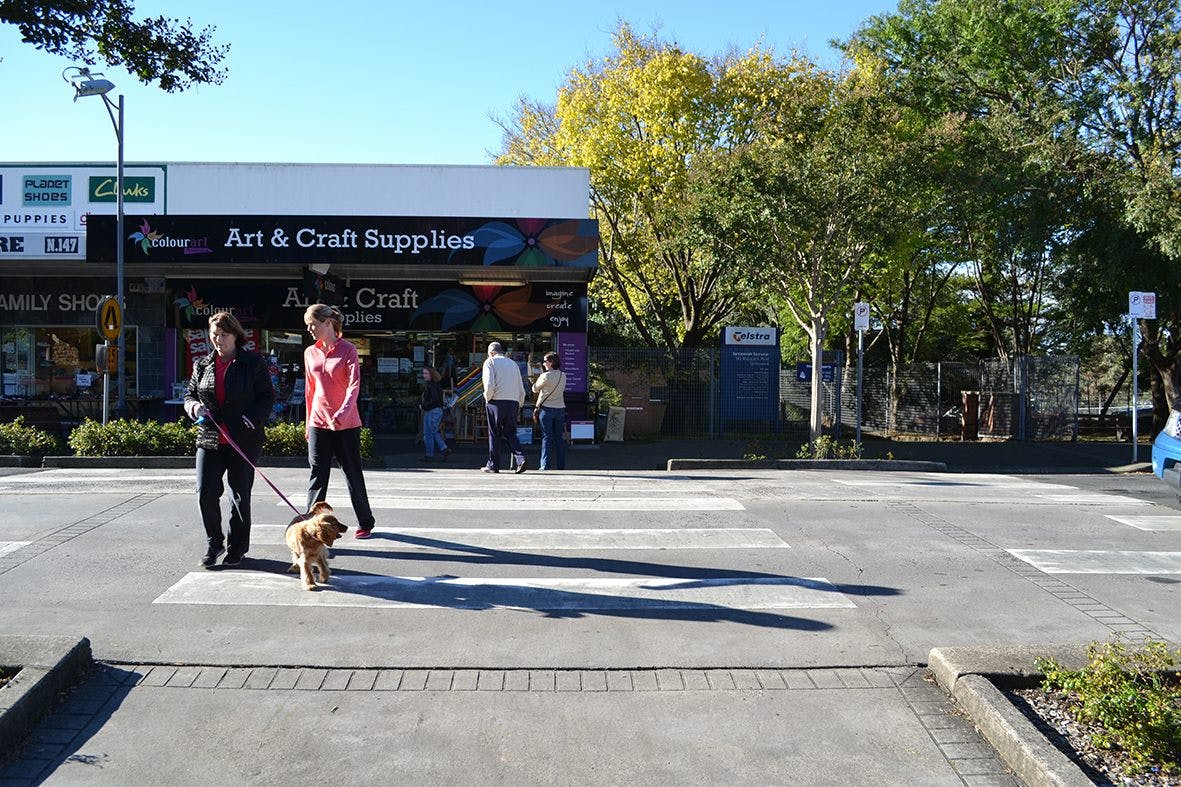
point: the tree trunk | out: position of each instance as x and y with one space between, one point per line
817 420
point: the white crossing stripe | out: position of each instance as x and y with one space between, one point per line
956 480
546 539
499 502
1095 499
8 547
524 593
71 478
1098 561
1155 523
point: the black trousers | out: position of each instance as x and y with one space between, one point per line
345 446
502 425
211 466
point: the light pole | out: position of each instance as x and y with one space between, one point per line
87 84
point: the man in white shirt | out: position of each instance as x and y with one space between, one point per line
504 393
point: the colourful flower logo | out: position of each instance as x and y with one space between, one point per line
484 307
189 302
145 237
532 244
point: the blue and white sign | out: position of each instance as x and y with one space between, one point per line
1142 305
45 191
748 337
828 372
750 374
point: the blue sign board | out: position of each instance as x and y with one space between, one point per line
827 372
45 191
750 374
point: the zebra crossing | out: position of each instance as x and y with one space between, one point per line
676 516
649 548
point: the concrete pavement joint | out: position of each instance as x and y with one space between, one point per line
1109 617
60 536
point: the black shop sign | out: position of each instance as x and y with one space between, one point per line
386 305
391 240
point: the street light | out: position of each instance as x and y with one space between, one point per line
88 84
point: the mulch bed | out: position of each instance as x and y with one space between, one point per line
1050 712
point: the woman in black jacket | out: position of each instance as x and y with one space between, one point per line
431 405
230 387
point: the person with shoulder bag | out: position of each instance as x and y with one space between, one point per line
550 413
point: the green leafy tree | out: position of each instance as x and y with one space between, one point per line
156 49
1075 101
802 204
638 119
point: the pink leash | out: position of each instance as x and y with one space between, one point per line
242 453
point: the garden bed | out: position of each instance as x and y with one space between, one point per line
1049 711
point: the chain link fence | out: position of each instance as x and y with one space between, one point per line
665 394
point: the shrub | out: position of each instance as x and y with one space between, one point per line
286 439
824 447
16 438
133 438
1131 696
179 438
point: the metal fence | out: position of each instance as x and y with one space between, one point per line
679 395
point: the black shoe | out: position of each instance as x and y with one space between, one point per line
233 558
521 467
211 556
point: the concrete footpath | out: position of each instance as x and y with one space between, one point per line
975 457
67 719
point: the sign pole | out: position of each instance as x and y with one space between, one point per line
861 325
860 355
109 319
1135 390
1141 306
106 381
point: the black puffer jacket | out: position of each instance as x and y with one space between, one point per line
248 392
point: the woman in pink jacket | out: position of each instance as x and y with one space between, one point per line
332 372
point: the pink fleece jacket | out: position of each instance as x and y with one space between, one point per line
333 384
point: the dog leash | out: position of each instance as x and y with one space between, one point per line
242 453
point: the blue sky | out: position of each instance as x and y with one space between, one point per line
389 81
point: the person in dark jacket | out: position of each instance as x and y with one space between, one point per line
229 387
431 405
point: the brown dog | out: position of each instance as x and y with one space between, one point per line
309 536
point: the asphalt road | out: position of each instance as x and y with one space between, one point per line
623 574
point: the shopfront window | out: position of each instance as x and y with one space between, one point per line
58 363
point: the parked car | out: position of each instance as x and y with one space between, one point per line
1166 452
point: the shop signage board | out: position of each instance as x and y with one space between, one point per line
571 348
57 301
44 210
381 240
136 189
750 373
386 305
